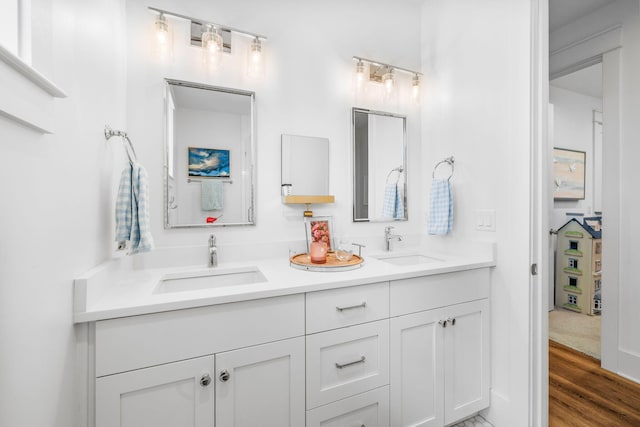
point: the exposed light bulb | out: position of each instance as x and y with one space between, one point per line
415 88
256 50
212 44
255 58
389 80
359 73
162 30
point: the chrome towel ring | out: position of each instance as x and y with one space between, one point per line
449 161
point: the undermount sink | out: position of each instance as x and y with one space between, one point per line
407 259
208 279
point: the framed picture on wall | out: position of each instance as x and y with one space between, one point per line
209 162
319 229
569 168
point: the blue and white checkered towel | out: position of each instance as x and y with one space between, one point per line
393 203
440 207
132 210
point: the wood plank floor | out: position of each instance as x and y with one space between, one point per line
582 394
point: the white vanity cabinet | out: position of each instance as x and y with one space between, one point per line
409 352
439 348
239 364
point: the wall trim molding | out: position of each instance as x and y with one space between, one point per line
584 52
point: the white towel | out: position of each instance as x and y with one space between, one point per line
132 210
211 193
440 207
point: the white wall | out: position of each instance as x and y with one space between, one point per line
57 208
573 129
476 59
306 90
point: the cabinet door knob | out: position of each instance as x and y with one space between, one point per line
205 380
453 321
224 376
443 323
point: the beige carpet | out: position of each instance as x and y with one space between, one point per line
575 330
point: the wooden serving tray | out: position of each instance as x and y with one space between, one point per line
303 262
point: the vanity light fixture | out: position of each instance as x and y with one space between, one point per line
385 74
212 37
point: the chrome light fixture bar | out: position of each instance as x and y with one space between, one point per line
199 26
378 69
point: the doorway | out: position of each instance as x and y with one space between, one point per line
575 217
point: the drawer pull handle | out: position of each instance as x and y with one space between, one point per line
362 305
344 365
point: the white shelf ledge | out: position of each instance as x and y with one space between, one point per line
27 96
30 73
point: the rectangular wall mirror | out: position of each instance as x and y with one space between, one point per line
380 166
305 166
209 156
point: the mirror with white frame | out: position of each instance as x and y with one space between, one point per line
379 165
209 156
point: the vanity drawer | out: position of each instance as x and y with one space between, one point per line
139 341
429 292
347 361
370 409
341 307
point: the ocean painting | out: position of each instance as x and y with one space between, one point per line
208 162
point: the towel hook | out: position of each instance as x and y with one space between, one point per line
128 146
449 160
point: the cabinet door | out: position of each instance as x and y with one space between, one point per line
175 394
261 385
467 365
416 374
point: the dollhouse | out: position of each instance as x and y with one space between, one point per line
578 266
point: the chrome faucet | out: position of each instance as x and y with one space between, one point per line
388 237
213 251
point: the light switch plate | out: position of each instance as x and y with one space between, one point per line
486 220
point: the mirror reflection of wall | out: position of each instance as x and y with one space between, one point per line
380 190
305 165
209 156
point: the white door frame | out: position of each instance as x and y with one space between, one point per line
540 193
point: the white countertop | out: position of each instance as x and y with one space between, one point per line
109 291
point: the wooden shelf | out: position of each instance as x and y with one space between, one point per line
307 200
